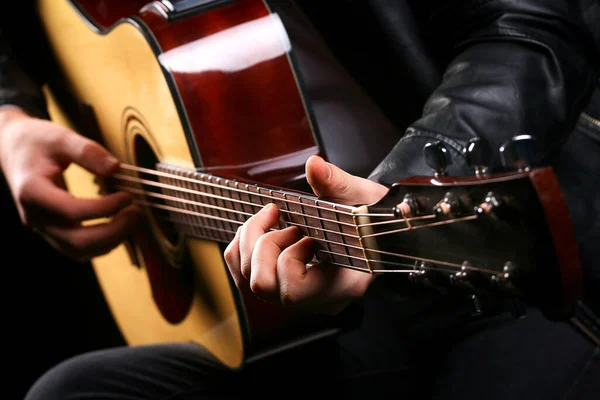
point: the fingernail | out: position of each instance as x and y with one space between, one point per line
110 162
329 171
268 206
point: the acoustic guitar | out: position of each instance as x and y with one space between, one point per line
202 103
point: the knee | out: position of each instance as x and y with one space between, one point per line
69 379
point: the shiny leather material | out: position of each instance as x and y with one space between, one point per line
526 67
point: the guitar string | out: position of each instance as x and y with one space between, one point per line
206 205
128 178
235 211
236 189
437 265
211 217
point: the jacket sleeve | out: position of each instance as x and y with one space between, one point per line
513 68
23 59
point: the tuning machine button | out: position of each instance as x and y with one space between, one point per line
478 156
489 206
461 278
408 208
437 157
505 280
447 206
520 153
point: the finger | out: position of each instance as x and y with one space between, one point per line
46 200
254 228
84 152
232 258
331 182
321 284
86 242
292 271
263 275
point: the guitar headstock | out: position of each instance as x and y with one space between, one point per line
508 234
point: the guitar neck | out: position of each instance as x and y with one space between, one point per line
209 207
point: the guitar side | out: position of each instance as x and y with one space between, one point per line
146 113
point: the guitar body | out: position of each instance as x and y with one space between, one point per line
153 86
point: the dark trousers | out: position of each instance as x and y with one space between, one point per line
499 358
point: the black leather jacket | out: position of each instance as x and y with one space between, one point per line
449 70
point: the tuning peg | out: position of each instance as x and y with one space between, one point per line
437 157
478 156
520 152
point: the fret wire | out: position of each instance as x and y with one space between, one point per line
324 233
222 203
228 213
188 217
337 217
241 213
154 172
287 209
189 197
219 223
202 208
244 203
204 194
344 234
238 200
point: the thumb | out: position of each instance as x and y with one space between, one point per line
331 182
86 153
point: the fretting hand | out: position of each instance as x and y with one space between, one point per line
33 155
272 264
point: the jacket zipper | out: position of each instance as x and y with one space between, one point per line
591 120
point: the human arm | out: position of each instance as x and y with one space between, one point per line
34 152
514 68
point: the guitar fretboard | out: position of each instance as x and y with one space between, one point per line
210 207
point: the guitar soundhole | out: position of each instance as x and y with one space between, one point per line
156 206
166 259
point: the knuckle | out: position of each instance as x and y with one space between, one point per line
89 150
229 255
261 285
57 138
284 259
288 297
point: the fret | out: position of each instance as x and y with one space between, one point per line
254 199
279 200
245 197
211 211
193 221
334 233
355 246
198 220
221 203
208 223
230 204
158 213
262 199
237 205
182 219
342 237
295 216
318 233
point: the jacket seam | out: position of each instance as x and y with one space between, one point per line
413 132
